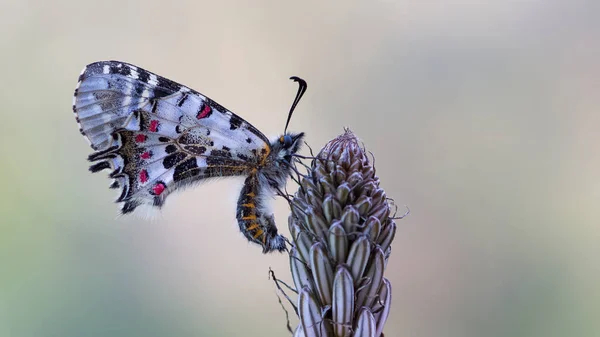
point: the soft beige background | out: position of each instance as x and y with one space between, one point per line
483 117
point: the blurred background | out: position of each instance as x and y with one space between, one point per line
482 115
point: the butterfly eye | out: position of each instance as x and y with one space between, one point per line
287 141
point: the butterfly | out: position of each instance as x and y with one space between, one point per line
157 136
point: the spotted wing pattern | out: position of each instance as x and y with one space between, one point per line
157 135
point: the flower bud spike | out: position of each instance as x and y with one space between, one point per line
342 234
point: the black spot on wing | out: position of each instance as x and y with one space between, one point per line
139 88
182 100
173 159
141 117
99 166
118 173
235 122
125 192
170 148
120 69
168 85
194 149
103 154
144 75
185 170
220 153
226 164
126 70
159 92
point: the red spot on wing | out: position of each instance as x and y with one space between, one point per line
143 176
153 125
158 188
146 155
140 138
204 112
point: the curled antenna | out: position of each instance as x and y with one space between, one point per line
301 89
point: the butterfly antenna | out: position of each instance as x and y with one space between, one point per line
301 89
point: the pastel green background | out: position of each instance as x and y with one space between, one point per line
483 117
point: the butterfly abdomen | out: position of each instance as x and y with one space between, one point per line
256 223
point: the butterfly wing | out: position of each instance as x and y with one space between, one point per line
157 135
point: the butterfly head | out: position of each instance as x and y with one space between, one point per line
287 145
